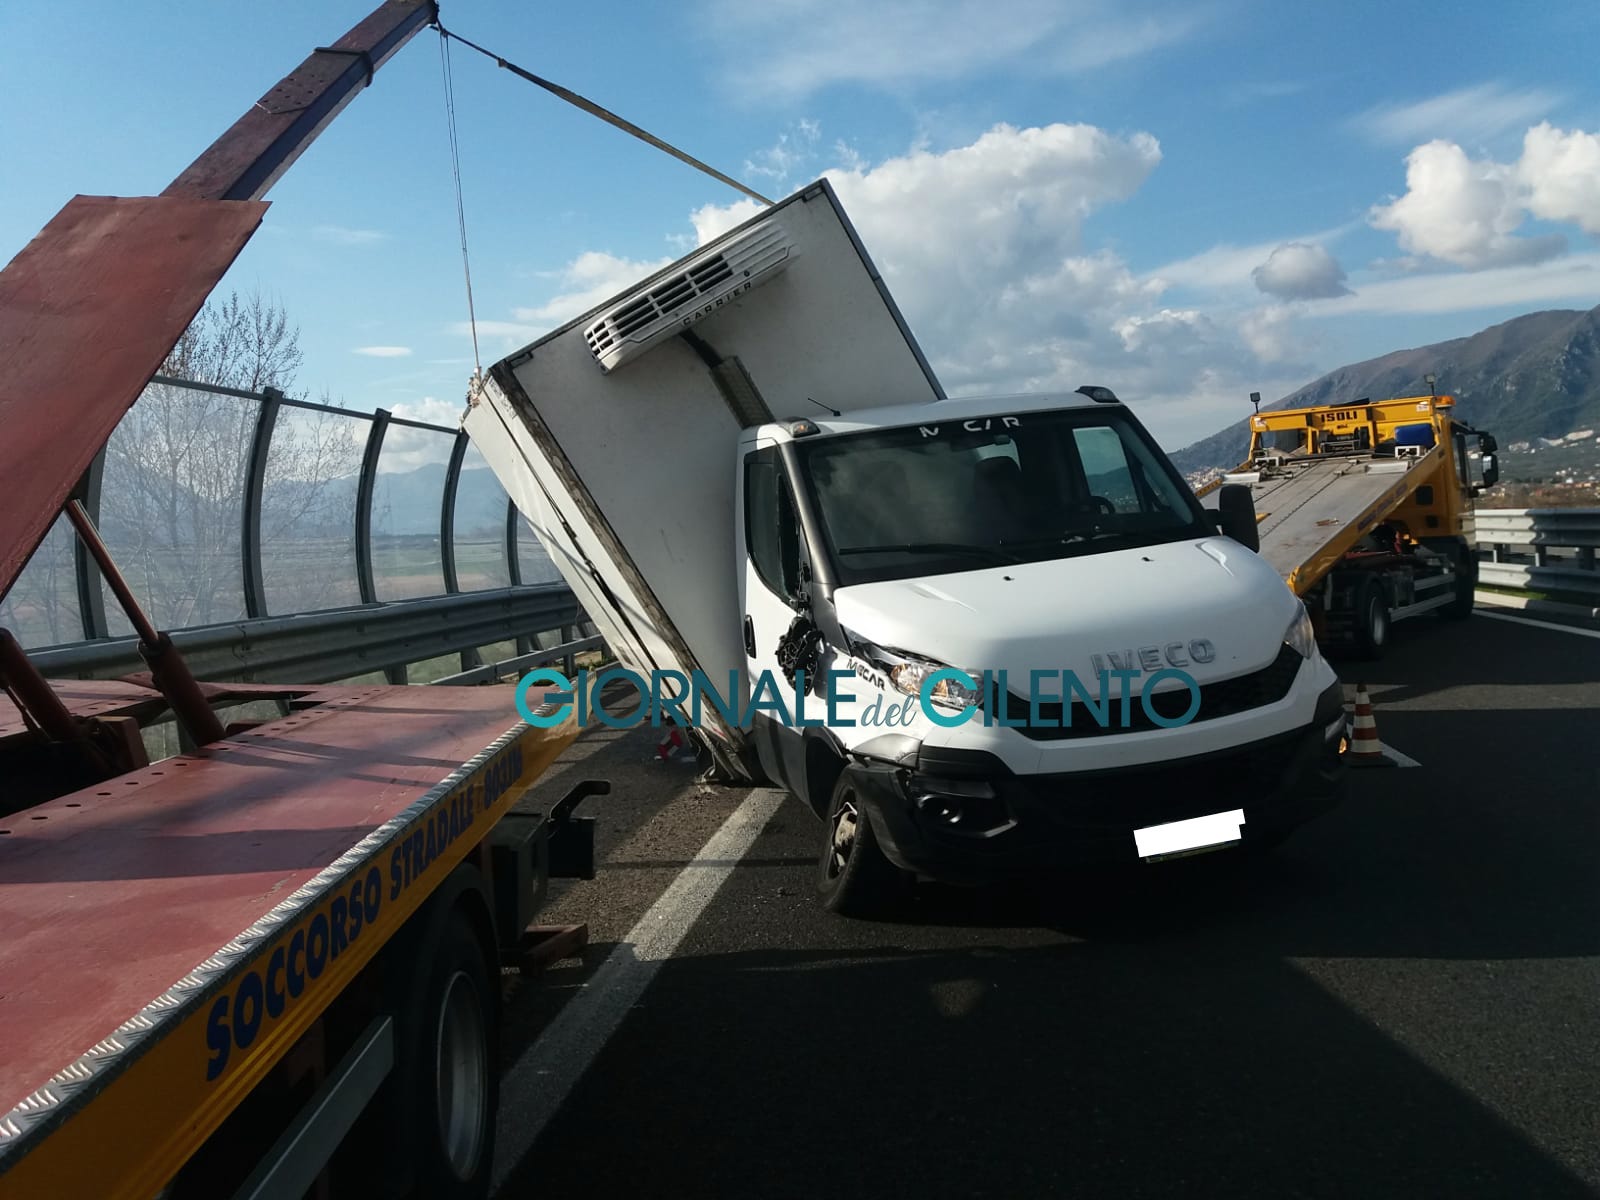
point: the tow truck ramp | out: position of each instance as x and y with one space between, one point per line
1312 510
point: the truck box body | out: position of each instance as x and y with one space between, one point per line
624 473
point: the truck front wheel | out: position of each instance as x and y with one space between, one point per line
1460 608
854 879
1371 620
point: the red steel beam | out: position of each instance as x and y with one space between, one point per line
88 311
247 160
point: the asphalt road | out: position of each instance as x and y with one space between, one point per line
1403 1001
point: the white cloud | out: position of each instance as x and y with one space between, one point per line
1571 280
1462 211
983 248
430 409
784 157
590 279
1471 113
787 48
1301 271
1228 266
1271 89
713 220
511 331
1560 172
1168 333
406 449
384 351
1272 335
342 236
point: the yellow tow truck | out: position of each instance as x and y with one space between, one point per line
1365 509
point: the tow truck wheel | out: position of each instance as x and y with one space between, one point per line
1460 607
1372 621
854 879
445 1074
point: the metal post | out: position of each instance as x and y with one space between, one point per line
447 512
447 534
91 600
525 644
369 474
168 671
513 565
255 479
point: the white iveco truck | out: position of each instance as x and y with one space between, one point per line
745 468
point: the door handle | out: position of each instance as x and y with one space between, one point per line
749 638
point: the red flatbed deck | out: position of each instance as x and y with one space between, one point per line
149 894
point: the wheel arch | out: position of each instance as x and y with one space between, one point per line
825 761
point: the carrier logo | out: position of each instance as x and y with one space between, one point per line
705 310
1156 658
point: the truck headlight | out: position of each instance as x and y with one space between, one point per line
909 673
912 675
1300 634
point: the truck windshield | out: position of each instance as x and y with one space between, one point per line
994 490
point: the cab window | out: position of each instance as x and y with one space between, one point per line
772 532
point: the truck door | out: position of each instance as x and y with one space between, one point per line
770 598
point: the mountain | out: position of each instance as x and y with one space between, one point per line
1535 376
407 502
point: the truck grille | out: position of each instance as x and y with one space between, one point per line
1220 699
1137 797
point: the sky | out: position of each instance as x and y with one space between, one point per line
1185 202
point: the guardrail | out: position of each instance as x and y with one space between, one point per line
1539 549
566 654
280 540
327 646
222 504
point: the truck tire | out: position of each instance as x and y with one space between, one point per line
1372 624
854 879
1460 608
446 1062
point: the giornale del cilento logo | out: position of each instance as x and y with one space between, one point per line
947 697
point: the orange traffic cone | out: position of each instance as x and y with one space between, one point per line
1365 748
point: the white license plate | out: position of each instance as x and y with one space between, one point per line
1189 837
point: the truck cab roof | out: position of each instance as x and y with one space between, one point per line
957 408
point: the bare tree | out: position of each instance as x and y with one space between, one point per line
175 474
42 609
172 500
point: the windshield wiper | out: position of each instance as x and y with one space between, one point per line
990 553
1061 539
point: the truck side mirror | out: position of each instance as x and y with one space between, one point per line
1236 515
1491 470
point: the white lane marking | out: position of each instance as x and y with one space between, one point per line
1588 633
535 1088
1505 600
1405 760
